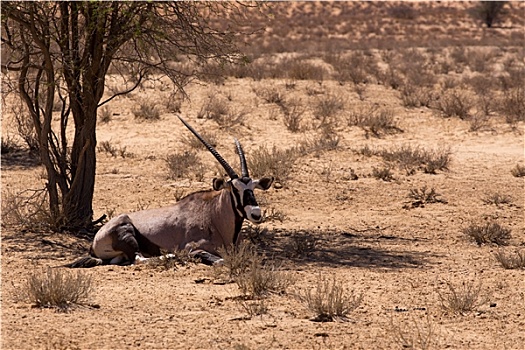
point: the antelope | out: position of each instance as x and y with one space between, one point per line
202 222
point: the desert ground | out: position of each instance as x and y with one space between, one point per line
392 232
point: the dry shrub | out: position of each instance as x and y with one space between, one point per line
146 111
270 94
58 288
518 170
329 300
105 114
423 195
182 164
327 106
293 110
261 280
356 67
510 261
237 260
301 69
218 109
512 105
418 333
454 103
25 127
278 163
210 136
253 308
489 232
374 120
496 198
28 209
416 96
384 173
412 158
462 298
301 245
107 147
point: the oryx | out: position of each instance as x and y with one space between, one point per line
201 222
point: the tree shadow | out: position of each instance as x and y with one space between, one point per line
19 158
339 248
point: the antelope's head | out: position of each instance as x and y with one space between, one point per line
241 187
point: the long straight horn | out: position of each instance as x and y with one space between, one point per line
225 165
244 167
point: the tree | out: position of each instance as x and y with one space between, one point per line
489 11
59 53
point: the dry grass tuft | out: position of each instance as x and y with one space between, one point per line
418 333
423 195
511 261
58 288
329 300
28 209
497 199
489 232
146 111
518 170
412 158
262 280
462 298
182 164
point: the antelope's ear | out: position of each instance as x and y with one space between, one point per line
219 184
264 183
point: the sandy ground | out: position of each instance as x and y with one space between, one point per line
401 260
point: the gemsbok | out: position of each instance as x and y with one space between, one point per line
201 223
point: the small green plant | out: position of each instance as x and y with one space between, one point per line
329 300
489 232
462 298
510 261
146 111
518 170
58 288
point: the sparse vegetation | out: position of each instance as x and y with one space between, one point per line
107 147
489 232
417 333
518 170
384 173
146 111
462 298
329 300
497 198
58 288
374 120
105 114
511 260
412 158
423 195
183 164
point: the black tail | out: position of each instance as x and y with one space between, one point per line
85 262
